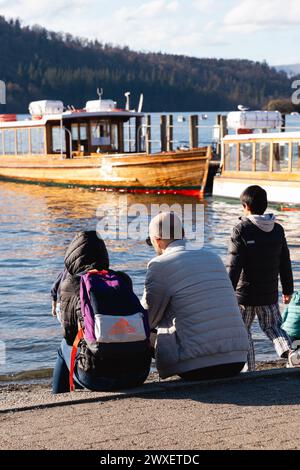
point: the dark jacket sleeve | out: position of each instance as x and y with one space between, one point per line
70 321
235 257
55 286
70 307
286 273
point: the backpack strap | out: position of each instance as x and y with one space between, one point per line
77 340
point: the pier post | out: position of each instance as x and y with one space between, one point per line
224 129
218 123
68 137
138 134
283 123
221 122
194 134
170 133
148 134
163 132
121 137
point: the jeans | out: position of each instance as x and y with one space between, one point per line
88 380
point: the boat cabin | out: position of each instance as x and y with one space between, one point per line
96 129
257 153
257 147
274 154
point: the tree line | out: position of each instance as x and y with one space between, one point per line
39 64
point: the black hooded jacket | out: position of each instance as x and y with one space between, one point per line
84 253
256 260
87 252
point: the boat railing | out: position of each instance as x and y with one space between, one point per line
185 134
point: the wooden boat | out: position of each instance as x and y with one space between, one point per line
87 148
269 159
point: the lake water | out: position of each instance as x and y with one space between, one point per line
36 225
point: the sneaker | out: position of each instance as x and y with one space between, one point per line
294 359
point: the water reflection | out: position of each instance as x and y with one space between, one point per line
38 222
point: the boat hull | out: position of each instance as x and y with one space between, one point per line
169 173
278 191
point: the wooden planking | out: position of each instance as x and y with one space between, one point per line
47 161
88 177
159 171
173 169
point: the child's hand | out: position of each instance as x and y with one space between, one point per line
54 308
286 299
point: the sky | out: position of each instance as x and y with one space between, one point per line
248 29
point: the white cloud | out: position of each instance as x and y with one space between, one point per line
254 15
211 26
147 10
160 30
35 10
172 6
205 6
151 25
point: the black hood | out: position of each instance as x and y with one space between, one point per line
85 252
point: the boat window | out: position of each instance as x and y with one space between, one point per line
9 142
262 150
75 133
1 143
100 133
246 157
230 155
22 141
58 140
114 136
83 132
75 137
296 156
280 156
37 140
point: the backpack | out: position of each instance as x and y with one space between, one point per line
115 323
291 317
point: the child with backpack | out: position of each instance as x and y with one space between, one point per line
258 255
106 334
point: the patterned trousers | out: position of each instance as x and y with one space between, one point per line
270 321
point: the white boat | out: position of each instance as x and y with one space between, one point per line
256 155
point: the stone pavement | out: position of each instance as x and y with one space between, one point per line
253 411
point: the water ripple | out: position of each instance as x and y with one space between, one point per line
36 225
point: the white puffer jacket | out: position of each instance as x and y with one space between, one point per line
191 301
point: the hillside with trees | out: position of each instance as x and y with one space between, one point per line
40 64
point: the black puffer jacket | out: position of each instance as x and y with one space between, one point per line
256 259
84 253
87 252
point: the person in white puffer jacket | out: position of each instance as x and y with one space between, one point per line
192 304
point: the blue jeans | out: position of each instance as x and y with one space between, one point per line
88 380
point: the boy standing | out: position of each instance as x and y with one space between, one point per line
258 255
